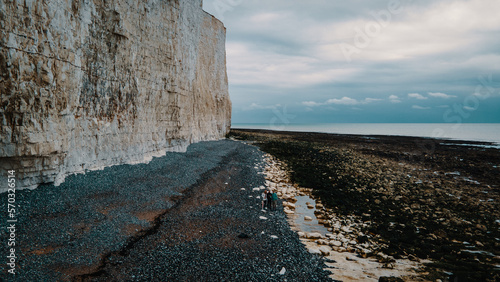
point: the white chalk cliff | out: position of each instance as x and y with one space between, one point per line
86 84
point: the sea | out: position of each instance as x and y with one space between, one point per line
482 132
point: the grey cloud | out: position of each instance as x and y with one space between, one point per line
306 28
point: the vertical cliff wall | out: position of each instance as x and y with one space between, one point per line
89 83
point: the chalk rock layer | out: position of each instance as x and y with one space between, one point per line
87 83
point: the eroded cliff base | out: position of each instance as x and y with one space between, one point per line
88 84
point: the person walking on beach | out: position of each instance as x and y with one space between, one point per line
268 194
264 199
274 200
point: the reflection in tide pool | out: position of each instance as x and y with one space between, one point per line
301 211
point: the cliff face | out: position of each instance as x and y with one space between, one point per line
87 83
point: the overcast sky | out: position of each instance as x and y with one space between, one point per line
321 61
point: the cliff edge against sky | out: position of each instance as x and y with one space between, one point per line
88 84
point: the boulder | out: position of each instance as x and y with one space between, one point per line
314 251
314 235
325 250
322 242
346 229
335 243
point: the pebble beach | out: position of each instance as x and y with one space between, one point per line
191 216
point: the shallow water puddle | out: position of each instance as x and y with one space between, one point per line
301 211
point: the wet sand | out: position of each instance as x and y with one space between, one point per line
419 198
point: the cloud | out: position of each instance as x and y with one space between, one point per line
370 100
441 95
342 101
279 50
394 99
267 19
417 96
421 30
420 107
255 106
311 104
262 65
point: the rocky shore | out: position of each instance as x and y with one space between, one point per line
191 216
432 202
346 248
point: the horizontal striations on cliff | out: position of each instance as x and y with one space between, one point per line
86 84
